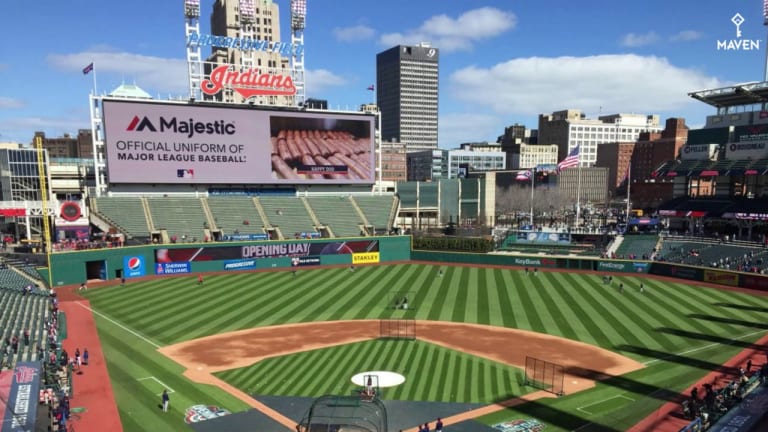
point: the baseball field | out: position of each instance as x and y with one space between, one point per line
670 334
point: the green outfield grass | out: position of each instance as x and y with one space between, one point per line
680 331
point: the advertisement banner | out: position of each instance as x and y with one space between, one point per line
20 411
305 261
721 277
750 133
134 266
675 271
365 258
542 237
746 150
755 282
173 268
245 237
249 264
698 151
266 250
622 266
534 262
193 144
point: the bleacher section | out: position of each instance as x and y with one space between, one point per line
338 213
231 214
127 213
714 254
377 209
22 312
11 279
288 214
638 245
180 217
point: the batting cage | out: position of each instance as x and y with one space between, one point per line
344 414
397 329
544 375
402 300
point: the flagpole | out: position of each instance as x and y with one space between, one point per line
533 179
94 77
578 194
629 186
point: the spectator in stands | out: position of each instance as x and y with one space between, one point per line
26 337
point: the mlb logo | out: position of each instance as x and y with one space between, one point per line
185 173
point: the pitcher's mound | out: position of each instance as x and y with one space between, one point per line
386 378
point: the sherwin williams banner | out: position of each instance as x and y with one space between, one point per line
172 268
191 144
21 399
265 250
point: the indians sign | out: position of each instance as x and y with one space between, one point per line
248 82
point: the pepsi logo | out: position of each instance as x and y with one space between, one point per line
134 263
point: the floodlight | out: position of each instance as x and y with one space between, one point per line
247 12
192 8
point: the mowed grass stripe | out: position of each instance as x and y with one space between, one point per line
434 299
689 302
446 302
560 293
514 312
529 306
548 308
461 295
498 302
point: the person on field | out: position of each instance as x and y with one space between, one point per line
199 279
122 281
166 400
439 425
621 287
404 305
642 288
85 356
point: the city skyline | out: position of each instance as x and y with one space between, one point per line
501 62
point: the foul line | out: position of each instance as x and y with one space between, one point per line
166 386
119 325
703 347
581 408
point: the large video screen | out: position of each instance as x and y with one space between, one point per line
149 142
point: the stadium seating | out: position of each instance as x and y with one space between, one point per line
338 213
126 213
714 254
182 218
288 214
232 213
379 210
638 245
22 312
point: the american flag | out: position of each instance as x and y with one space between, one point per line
373 88
523 175
571 160
89 68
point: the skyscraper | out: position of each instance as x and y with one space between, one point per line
262 22
406 92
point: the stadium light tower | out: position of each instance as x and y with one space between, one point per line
194 60
298 21
765 24
247 19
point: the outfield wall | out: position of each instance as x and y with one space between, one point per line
679 271
164 260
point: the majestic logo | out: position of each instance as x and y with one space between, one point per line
189 127
199 413
248 82
134 263
738 44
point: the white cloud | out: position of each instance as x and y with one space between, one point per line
155 74
637 40
20 129
354 34
7 102
320 79
535 85
686 35
457 128
456 34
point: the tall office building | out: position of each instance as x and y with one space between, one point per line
228 20
406 91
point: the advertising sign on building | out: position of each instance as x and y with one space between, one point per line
134 266
190 144
746 150
698 151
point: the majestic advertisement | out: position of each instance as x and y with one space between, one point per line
267 250
19 400
721 277
698 151
176 143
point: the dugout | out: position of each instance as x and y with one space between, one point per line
344 414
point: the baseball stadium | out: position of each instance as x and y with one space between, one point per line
243 267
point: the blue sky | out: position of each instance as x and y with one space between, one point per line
502 61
